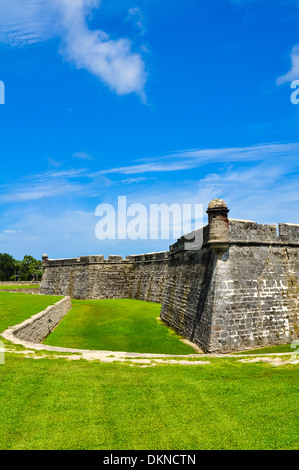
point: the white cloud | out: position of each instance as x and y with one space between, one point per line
111 60
293 74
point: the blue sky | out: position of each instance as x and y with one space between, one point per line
161 101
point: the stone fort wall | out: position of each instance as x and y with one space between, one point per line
240 290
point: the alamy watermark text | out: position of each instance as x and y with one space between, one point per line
295 94
2 93
158 221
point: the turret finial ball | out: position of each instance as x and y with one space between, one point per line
217 204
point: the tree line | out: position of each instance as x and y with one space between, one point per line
29 269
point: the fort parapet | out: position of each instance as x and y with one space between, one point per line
240 290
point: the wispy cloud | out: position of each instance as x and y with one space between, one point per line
111 60
190 159
136 14
258 183
25 24
271 160
83 156
54 163
55 184
37 191
139 179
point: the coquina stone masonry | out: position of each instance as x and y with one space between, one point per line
240 290
36 328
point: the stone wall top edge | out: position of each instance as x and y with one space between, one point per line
253 231
244 221
288 232
240 231
156 256
98 259
288 225
241 220
251 222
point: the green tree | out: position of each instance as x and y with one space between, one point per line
7 267
18 270
31 269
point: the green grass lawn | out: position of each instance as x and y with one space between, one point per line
54 403
5 288
15 308
60 404
116 325
18 287
283 348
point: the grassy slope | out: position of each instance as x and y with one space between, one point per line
58 404
116 325
15 308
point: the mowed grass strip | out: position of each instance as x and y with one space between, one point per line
18 287
60 404
15 308
282 348
116 325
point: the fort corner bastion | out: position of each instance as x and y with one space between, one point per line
240 290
